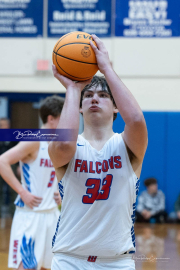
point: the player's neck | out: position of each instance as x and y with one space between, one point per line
98 134
46 126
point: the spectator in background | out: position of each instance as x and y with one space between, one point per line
151 204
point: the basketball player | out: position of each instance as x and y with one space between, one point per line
37 211
99 172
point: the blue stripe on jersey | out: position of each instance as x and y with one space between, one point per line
20 203
57 227
134 212
27 254
61 189
26 175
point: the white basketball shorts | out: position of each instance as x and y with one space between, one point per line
66 262
31 238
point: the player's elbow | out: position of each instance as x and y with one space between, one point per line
138 119
61 152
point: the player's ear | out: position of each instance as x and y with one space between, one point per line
50 119
116 110
80 110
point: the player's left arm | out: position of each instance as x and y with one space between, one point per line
135 133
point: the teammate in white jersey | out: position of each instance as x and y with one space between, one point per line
99 172
38 197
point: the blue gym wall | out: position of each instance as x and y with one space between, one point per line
162 157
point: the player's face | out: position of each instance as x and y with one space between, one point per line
97 103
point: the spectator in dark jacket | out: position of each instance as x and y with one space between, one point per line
151 204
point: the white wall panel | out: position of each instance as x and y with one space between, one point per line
18 56
149 67
146 56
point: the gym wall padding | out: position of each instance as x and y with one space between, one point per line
162 159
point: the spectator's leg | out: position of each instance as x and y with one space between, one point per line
140 218
160 217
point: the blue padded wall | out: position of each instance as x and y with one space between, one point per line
173 159
162 156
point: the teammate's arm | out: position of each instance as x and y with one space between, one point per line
61 152
135 133
12 156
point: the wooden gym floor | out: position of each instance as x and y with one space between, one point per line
157 246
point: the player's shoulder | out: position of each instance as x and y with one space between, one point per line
29 146
81 141
116 140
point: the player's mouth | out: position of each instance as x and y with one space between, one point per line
94 108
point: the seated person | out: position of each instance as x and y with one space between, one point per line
151 203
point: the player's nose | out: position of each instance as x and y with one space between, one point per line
95 98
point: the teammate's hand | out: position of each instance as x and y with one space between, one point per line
29 199
67 83
57 197
101 53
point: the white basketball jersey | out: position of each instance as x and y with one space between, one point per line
38 177
98 207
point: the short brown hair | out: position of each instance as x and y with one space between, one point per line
150 181
98 80
51 106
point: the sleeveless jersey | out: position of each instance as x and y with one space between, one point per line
38 177
99 192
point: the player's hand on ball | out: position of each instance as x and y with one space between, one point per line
101 53
68 83
29 199
57 197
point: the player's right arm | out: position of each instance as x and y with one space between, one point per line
61 152
12 156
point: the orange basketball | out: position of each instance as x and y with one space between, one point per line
74 57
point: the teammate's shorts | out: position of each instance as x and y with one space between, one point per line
31 238
66 262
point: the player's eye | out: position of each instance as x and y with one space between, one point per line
88 95
103 95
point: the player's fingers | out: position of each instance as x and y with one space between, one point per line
84 83
95 48
35 204
56 73
30 205
54 69
99 43
38 198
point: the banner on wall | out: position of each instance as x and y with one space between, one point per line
21 18
150 18
91 16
